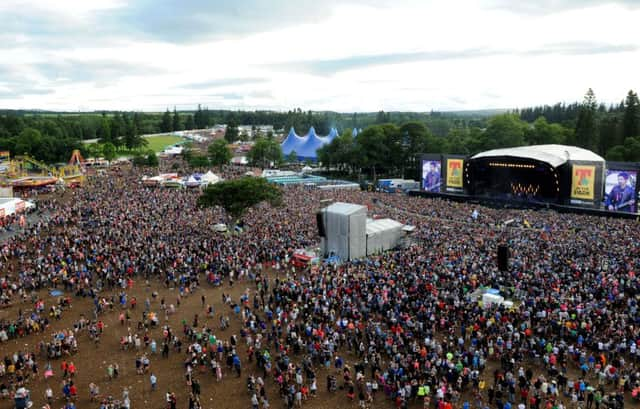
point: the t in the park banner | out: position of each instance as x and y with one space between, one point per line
583 182
454 172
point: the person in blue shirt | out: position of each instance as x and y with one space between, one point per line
621 198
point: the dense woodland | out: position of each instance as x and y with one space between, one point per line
388 143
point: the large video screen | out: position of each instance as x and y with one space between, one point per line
454 175
431 175
620 191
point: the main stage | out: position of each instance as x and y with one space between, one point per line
500 203
559 177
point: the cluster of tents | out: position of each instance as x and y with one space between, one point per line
172 180
306 147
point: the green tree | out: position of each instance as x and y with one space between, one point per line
616 154
340 153
504 131
28 142
117 125
235 196
139 160
631 119
152 159
292 157
104 131
219 152
189 123
109 151
177 123
231 133
265 151
457 141
543 132
416 138
187 150
632 149
166 125
586 135
611 132
94 150
371 149
131 138
198 161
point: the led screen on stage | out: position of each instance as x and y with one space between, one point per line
620 191
583 183
431 175
454 174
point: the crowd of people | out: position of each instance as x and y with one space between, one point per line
402 327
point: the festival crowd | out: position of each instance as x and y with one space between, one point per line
403 327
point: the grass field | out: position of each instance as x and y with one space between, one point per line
160 142
156 143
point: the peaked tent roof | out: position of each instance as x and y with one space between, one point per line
554 155
305 147
313 143
291 142
333 133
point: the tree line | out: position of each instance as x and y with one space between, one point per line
393 150
610 131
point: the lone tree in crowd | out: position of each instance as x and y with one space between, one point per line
237 195
109 151
219 152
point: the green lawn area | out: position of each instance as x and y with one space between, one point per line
160 142
156 143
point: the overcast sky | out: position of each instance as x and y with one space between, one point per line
341 55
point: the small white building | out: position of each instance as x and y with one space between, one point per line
348 234
383 235
345 231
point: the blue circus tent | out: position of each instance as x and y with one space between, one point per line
354 133
292 142
333 133
305 147
308 149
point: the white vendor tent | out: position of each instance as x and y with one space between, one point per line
210 178
345 230
11 205
489 300
382 235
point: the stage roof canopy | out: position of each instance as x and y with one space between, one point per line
554 155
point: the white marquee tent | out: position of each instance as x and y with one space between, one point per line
210 178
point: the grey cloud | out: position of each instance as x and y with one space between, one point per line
261 94
99 72
553 6
14 83
329 67
173 21
583 48
180 21
333 66
225 82
14 93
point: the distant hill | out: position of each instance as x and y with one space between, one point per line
466 113
477 112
